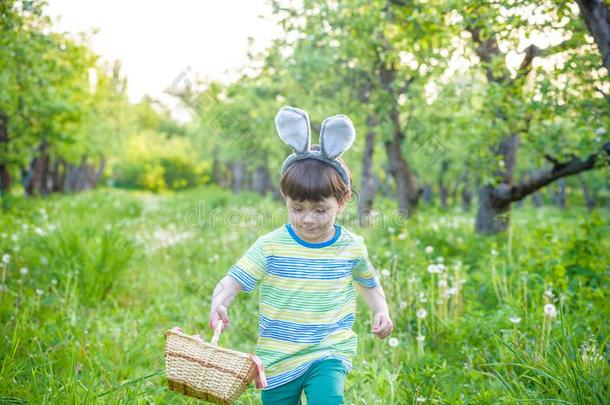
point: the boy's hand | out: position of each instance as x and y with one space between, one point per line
382 325
220 312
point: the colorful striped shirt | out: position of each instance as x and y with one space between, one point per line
307 298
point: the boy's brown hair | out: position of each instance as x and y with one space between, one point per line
314 180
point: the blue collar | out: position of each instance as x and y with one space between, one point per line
314 245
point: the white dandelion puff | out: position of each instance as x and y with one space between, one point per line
549 294
393 342
39 291
421 313
429 249
442 283
385 273
433 269
6 258
515 319
23 271
421 338
494 252
403 304
550 310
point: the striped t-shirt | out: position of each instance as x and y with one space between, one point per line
307 300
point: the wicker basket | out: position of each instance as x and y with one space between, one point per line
206 371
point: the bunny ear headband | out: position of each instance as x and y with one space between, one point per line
336 136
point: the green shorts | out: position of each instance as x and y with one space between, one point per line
322 383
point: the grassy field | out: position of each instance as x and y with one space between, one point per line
91 282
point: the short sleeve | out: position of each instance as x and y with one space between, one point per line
250 268
363 272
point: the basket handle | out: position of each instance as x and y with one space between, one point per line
217 331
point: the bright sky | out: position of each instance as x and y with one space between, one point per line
158 40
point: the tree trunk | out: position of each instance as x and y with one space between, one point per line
559 196
57 174
406 184
368 184
443 189
239 174
492 217
35 181
466 193
261 182
586 192
493 213
5 174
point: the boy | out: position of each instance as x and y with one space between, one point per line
305 270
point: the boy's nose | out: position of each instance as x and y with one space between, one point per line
308 219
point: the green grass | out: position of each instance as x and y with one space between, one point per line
109 271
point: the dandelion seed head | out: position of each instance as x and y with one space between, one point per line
550 310
393 342
23 271
39 291
429 249
421 338
385 273
6 258
421 313
420 399
403 304
515 319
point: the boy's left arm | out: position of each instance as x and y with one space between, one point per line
376 301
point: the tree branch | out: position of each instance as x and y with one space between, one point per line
533 51
506 194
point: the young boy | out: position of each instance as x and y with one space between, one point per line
305 270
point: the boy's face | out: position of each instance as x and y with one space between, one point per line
313 221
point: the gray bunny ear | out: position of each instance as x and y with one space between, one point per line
292 126
336 136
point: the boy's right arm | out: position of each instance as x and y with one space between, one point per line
225 292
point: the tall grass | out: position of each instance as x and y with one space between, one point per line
107 272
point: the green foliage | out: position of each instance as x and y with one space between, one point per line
156 163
